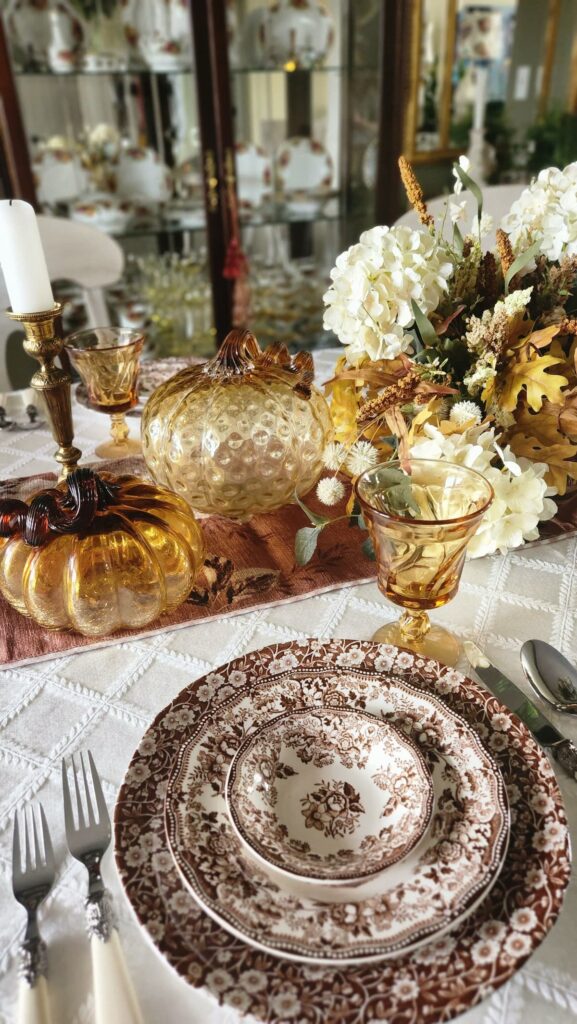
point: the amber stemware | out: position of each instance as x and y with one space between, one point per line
108 361
421 517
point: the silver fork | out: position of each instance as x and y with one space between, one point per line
31 883
88 839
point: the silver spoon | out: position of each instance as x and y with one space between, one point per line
551 675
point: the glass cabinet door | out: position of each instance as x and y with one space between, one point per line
107 93
305 119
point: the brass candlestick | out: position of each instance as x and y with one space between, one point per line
53 383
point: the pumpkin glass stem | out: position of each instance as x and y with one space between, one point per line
55 511
240 353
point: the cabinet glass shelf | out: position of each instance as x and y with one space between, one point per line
101 72
331 212
137 69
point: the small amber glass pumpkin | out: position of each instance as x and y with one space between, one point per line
239 434
98 553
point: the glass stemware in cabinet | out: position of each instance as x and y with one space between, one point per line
421 516
108 361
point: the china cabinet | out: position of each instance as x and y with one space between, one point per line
179 126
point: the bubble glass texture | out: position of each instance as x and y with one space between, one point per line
240 434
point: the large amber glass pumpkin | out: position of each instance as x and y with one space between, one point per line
241 433
98 553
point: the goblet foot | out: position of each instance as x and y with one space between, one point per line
416 633
119 449
121 444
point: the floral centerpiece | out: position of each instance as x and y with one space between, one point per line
458 352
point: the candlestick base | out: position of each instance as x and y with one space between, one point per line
52 382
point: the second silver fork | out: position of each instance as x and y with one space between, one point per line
32 880
88 839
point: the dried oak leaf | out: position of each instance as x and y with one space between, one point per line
530 373
568 415
537 437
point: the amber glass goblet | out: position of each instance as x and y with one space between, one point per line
420 518
108 361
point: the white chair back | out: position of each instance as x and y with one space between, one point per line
74 252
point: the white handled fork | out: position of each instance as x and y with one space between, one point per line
31 883
88 838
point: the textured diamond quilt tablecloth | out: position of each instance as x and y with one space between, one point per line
104 699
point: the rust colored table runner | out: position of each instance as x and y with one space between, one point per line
248 565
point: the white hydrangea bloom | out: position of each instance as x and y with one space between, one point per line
373 284
334 455
546 212
457 211
473 448
464 412
520 504
521 493
330 490
363 455
484 227
464 164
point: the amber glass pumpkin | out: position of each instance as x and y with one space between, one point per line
98 553
241 433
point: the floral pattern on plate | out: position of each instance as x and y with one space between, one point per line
303 166
423 895
308 779
254 176
433 984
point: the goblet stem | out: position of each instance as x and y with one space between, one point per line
119 427
415 632
121 444
414 626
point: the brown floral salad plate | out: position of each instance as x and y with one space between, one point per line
328 794
433 984
436 884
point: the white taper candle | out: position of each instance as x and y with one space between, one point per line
22 258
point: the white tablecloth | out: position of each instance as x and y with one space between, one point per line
104 700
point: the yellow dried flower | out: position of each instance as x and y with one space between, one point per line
414 192
568 326
505 250
396 394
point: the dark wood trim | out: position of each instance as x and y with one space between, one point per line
394 62
13 143
215 120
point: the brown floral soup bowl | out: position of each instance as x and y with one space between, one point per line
329 795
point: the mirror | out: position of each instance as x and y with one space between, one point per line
505 69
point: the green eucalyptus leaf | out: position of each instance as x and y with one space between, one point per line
390 476
306 540
457 239
368 549
472 187
313 517
424 326
400 498
520 262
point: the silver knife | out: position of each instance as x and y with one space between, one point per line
564 751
